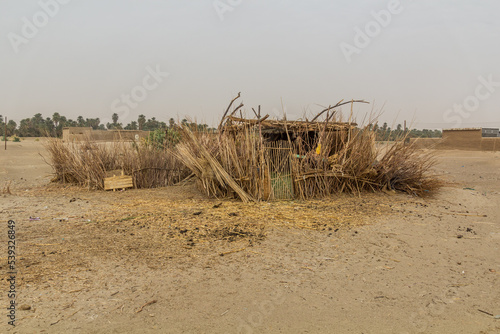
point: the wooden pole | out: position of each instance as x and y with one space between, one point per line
5 134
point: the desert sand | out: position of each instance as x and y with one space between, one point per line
171 260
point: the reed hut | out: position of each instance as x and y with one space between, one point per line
289 153
257 159
264 159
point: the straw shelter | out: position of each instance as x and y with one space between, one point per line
257 159
286 152
262 159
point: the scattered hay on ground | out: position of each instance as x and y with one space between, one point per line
156 227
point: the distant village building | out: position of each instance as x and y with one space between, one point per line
483 139
86 133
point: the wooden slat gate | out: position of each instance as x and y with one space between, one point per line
278 160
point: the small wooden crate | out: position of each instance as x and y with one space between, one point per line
118 181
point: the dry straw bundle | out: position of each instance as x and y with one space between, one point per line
196 155
86 163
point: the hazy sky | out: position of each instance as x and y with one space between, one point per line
437 62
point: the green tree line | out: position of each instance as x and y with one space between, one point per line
38 126
385 133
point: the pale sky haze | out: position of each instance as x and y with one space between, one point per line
428 57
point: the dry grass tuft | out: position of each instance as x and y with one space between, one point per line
403 167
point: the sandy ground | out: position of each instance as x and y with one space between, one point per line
372 264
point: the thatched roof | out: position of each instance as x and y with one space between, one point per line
236 123
229 122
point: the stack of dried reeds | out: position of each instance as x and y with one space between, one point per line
198 152
86 162
358 164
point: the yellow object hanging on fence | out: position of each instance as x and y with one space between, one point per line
318 149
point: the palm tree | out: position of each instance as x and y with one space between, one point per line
11 127
93 123
131 126
81 121
56 118
141 120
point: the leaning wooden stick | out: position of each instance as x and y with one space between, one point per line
227 110
237 108
336 106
